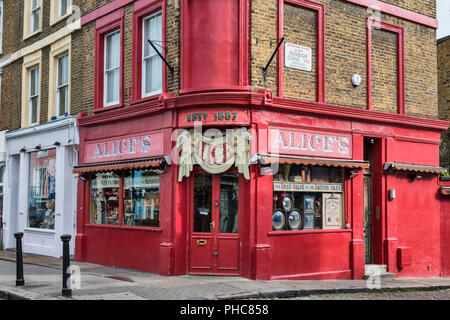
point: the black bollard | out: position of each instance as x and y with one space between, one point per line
19 260
66 292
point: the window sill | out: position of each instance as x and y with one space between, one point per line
105 226
145 99
37 230
302 232
29 35
54 20
101 109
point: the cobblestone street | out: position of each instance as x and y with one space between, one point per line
399 295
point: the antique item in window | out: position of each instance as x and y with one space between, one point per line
332 210
295 220
279 220
287 203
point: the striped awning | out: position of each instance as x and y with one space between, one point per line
414 168
120 165
339 163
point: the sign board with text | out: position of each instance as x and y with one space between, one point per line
217 116
297 57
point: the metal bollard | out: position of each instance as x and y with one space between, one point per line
19 260
66 292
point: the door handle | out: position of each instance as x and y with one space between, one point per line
202 242
213 224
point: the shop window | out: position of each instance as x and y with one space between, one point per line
141 199
41 195
109 61
138 203
308 198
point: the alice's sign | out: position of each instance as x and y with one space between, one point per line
124 148
307 187
309 143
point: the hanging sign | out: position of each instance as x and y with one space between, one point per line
297 57
124 148
309 143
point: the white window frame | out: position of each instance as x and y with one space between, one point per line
149 57
63 86
106 71
32 10
60 3
33 95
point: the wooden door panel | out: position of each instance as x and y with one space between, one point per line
201 255
228 254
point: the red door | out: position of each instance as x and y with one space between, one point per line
214 230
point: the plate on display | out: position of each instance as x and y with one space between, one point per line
295 220
287 203
278 220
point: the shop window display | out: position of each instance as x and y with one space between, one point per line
141 199
308 198
132 195
105 198
41 196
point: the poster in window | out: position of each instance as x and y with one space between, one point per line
332 210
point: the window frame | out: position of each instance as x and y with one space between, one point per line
59 87
29 62
112 69
319 9
1 26
142 10
32 96
32 16
104 26
55 10
144 58
28 18
68 2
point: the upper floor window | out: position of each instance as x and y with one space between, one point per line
33 103
35 19
112 69
63 7
151 62
62 85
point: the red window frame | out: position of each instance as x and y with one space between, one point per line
400 61
320 44
105 25
142 9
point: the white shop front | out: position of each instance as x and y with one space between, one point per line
40 189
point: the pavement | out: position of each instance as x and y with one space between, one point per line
43 281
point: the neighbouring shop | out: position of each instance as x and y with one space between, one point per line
40 188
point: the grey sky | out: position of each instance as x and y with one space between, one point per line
443 16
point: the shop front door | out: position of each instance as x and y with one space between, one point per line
214 232
368 219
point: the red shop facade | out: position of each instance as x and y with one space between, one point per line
312 197
221 180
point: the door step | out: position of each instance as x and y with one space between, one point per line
378 270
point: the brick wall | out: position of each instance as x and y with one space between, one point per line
443 49
426 7
345 55
83 48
